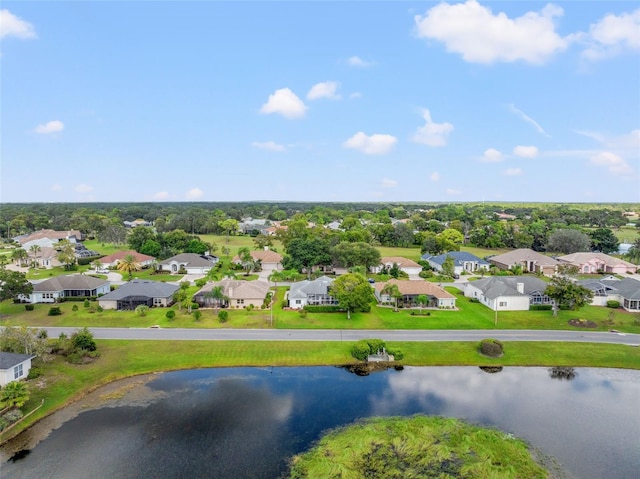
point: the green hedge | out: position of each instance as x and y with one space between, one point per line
613 304
76 298
540 307
322 309
89 260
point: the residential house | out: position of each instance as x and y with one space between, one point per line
589 263
139 292
112 260
463 262
626 291
531 261
312 292
508 293
410 290
408 266
238 294
270 260
48 238
45 257
14 367
136 223
73 285
191 263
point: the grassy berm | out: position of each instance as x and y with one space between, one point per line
420 446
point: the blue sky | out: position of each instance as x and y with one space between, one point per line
320 101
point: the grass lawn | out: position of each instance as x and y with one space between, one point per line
62 382
58 271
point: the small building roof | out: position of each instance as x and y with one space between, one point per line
400 261
302 289
628 288
265 256
9 360
141 287
582 258
191 260
238 289
524 254
119 255
416 288
69 282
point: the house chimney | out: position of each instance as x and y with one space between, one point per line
520 287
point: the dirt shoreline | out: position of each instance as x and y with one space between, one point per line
131 391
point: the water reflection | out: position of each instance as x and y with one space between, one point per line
247 422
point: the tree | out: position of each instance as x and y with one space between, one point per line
218 297
568 241
35 249
66 254
306 253
13 284
423 301
567 294
14 394
83 339
448 267
19 255
139 235
603 240
347 255
392 290
248 263
129 265
353 292
452 235
633 254
24 340
229 226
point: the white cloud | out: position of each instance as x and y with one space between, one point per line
83 188
492 155
432 134
451 191
614 163
56 187
613 34
355 94
285 103
53 126
269 145
513 172
377 144
387 183
435 176
528 119
356 61
473 31
161 196
12 26
194 194
630 140
525 151
325 89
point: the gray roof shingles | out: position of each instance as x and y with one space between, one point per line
139 287
9 360
69 282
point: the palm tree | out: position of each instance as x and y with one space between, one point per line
422 301
392 290
35 249
247 260
218 297
14 394
128 264
19 255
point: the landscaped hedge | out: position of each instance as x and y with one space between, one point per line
89 260
613 304
363 348
29 307
491 347
540 307
54 311
65 299
322 309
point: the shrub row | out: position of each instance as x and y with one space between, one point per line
66 299
540 307
322 309
89 260
613 304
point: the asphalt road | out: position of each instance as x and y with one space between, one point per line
170 334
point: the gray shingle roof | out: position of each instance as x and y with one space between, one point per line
9 360
628 288
190 259
497 286
144 288
69 282
459 257
304 288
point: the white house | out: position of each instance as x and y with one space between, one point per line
14 367
508 293
462 262
408 266
626 291
270 260
313 293
73 285
190 262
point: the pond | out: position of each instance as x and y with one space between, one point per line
247 422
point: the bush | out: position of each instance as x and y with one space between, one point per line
142 310
613 304
88 260
100 309
303 313
491 347
29 307
360 350
322 309
540 307
201 282
195 306
424 274
87 303
170 314
34 373
72 299
223 316
375 345
74 307
54 311
197 315
83 339
397 353
474 300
